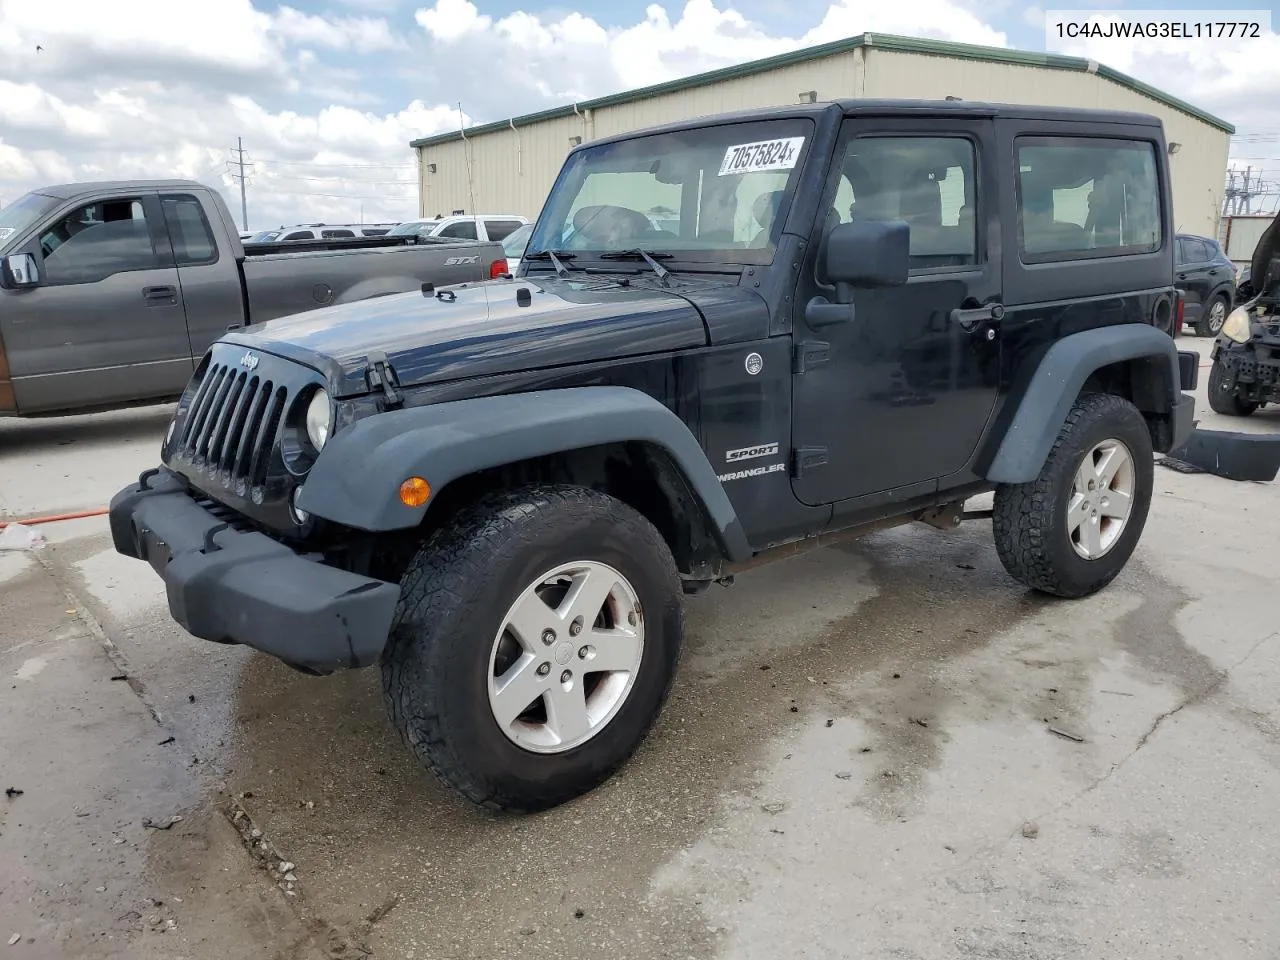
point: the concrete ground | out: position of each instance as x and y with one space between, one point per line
884 750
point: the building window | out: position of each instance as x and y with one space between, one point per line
1083 198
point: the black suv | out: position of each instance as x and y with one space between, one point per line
861 313
1207 280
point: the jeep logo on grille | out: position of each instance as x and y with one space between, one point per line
249 361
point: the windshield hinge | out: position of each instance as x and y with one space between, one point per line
809 354
382 376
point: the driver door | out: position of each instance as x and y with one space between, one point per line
888 404
106 323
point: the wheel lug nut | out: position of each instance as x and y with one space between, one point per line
566 676
548 637
575 628
544 669
631 618
582 653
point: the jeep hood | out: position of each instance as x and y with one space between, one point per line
487 328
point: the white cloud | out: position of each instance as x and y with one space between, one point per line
362 34
149 88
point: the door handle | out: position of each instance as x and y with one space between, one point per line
1182 276
159 293
968 319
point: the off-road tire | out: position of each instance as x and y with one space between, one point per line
1029 520
454 594
1223 398
1204 327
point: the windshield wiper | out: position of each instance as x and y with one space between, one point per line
561 269
651 259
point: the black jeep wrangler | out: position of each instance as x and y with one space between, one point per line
862 313
1246 353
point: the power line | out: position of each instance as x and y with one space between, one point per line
385 183
340 166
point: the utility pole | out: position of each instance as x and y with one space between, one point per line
244 201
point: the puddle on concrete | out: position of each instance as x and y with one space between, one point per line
341 797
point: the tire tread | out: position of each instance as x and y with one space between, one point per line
455 555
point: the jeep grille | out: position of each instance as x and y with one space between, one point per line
231 428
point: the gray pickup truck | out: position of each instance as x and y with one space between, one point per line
110 292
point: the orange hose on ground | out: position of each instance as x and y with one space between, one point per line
80 515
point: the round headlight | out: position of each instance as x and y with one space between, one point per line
1237 326
319 419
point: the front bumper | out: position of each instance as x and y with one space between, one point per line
232 586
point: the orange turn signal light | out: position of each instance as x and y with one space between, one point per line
414 492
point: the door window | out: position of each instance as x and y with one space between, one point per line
501 229
336 234
1083 197
97 241
189 231
462 230
926 181
301 235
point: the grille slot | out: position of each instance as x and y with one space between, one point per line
231 426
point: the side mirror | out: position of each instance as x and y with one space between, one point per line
21 270
869 253
862 253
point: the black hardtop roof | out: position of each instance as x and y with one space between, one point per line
890 107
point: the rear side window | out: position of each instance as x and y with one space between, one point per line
1082 198
462 230
189 231
501 229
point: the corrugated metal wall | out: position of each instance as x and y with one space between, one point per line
512 170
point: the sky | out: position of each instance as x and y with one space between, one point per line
325 95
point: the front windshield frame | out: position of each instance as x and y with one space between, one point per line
708 149
24 213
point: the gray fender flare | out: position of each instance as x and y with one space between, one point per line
356 479
1057 382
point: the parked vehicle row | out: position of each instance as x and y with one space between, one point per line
463 227
320 231
110 293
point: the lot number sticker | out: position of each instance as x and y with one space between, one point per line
765 155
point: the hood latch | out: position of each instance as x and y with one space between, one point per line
382 376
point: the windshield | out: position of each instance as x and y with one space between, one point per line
412 227
23 212
516 241
714 193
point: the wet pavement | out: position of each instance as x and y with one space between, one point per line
882 750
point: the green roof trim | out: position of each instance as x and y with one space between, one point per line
869 41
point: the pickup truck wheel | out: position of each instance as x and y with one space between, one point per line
1070 531
535 643
1223 398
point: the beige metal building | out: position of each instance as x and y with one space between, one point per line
514 162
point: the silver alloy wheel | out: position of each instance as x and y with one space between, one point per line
1217 315
1101 499
566 657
